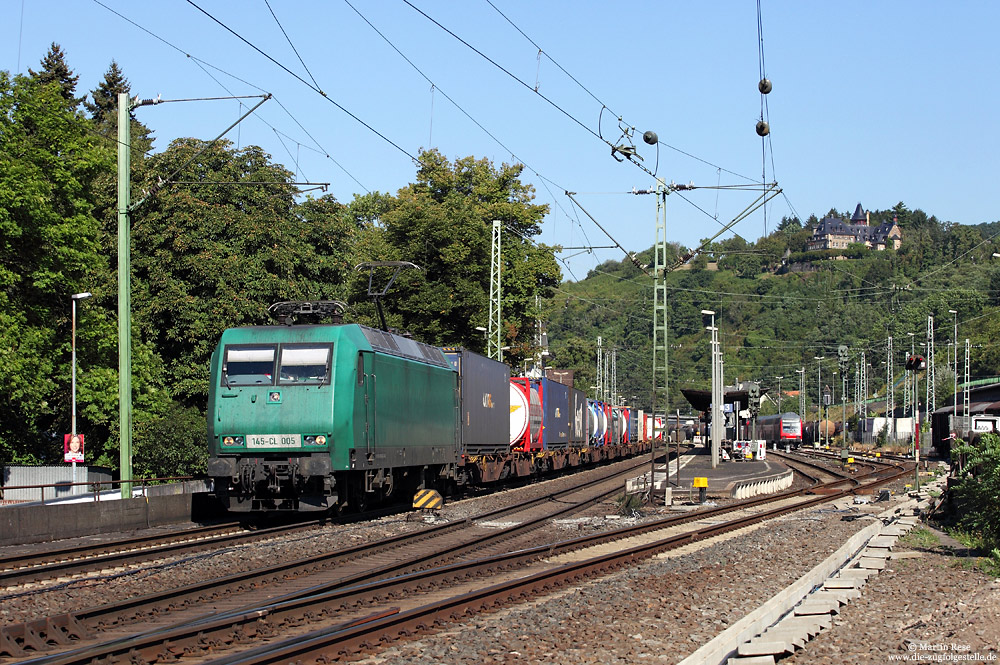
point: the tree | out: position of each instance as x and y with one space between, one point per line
443 223
104 112
49 249
789 225
105 95
210 256
55 70
979 491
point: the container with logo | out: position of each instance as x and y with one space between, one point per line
579 419
556 419
484 396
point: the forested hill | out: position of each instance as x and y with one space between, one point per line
779 306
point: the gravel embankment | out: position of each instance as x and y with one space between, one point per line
929 604
661 611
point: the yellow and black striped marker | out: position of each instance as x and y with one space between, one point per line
428 500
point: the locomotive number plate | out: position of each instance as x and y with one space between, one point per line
274 440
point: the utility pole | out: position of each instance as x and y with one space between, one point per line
125 206
842 362
614 375
125 106
802 394
779 378
600 362
864 382
819 399
954 408
716 418
890 390
661 348
931 401
607 378
843 398
124 293
495 333
965 395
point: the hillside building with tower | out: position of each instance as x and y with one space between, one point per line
837 233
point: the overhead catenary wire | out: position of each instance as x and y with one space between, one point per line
205 66
309 85
436 87
289 40
524 83
603 104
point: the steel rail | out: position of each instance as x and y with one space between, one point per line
41 634
326 645
258 622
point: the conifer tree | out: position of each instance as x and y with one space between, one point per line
55 69
105 95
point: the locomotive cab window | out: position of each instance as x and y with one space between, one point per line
305 363
246 365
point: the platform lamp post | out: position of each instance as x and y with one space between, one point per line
833 403
819 396
954 408
72 419
716 439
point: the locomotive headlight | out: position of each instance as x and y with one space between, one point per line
310 441
228 441
321 440
239 441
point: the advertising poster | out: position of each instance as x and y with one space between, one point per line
72 447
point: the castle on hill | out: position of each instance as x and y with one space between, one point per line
836 233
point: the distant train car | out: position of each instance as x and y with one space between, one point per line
782 429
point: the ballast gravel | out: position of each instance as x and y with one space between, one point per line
663 610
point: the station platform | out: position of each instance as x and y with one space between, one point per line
697 463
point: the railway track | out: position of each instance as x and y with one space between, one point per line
388 557
383 603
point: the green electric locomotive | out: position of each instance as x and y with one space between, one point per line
318 417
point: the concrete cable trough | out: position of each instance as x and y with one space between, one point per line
796 614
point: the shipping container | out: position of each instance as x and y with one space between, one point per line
579 433
598 424
484 398
525 415
555 413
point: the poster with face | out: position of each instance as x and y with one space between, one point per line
72 447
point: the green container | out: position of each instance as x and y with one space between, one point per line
301 417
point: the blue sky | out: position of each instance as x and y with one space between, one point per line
873 102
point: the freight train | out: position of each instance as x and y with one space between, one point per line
326 417
782 429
